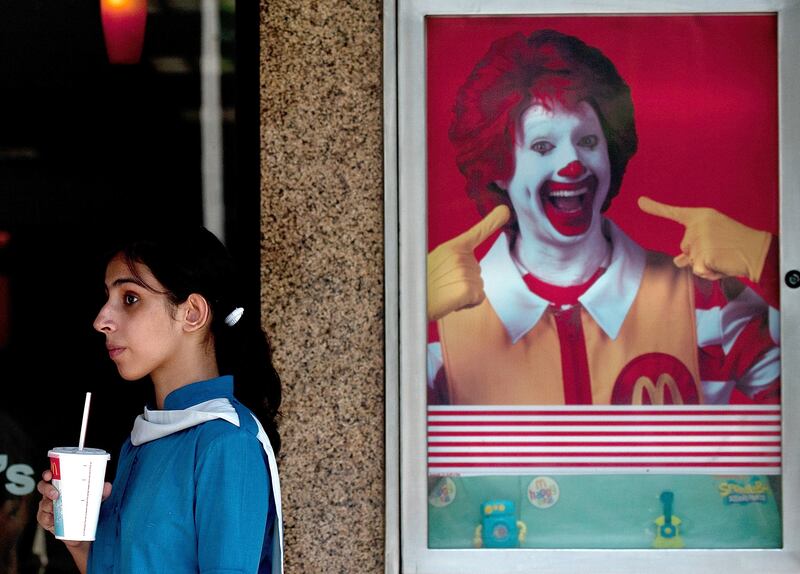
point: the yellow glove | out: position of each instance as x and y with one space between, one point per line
714 245
454 276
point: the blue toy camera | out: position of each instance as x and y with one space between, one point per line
499 524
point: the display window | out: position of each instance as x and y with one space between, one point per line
596 277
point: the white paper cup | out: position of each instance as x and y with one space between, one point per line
78 475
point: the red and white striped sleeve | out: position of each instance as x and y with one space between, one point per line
738 340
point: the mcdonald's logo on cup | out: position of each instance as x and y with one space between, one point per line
55 468
655 379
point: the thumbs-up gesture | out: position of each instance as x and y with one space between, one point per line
454 276
713 244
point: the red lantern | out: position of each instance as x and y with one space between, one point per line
123 28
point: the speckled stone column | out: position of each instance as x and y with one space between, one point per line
322 273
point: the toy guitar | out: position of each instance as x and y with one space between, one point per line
668 532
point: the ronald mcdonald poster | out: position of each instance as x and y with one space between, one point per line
602 281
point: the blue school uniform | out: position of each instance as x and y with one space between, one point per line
195 491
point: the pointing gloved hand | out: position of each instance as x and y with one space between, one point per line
713 244
454 276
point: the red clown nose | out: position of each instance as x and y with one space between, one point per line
572 170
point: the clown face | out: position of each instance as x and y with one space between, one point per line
561 173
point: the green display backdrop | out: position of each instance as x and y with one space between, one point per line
606 511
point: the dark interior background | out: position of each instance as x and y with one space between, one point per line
86 149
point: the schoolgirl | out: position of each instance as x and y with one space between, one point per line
196 488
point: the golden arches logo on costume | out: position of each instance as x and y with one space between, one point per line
655 379
656 392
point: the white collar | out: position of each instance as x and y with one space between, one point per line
607 301
154 424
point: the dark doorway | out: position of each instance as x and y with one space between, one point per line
87 149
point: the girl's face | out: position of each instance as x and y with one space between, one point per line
142 335
561 172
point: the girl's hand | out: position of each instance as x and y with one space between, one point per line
49 493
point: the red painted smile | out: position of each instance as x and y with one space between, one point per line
568 205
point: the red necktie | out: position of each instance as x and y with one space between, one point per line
567 312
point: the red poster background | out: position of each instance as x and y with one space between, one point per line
705 96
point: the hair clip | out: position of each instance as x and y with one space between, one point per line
234 316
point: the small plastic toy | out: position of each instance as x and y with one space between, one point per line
668 531
499 526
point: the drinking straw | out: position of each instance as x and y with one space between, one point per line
85 419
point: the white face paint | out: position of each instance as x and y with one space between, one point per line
561 174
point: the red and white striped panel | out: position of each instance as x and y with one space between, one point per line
730 439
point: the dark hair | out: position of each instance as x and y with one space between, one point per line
517 72
193 260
